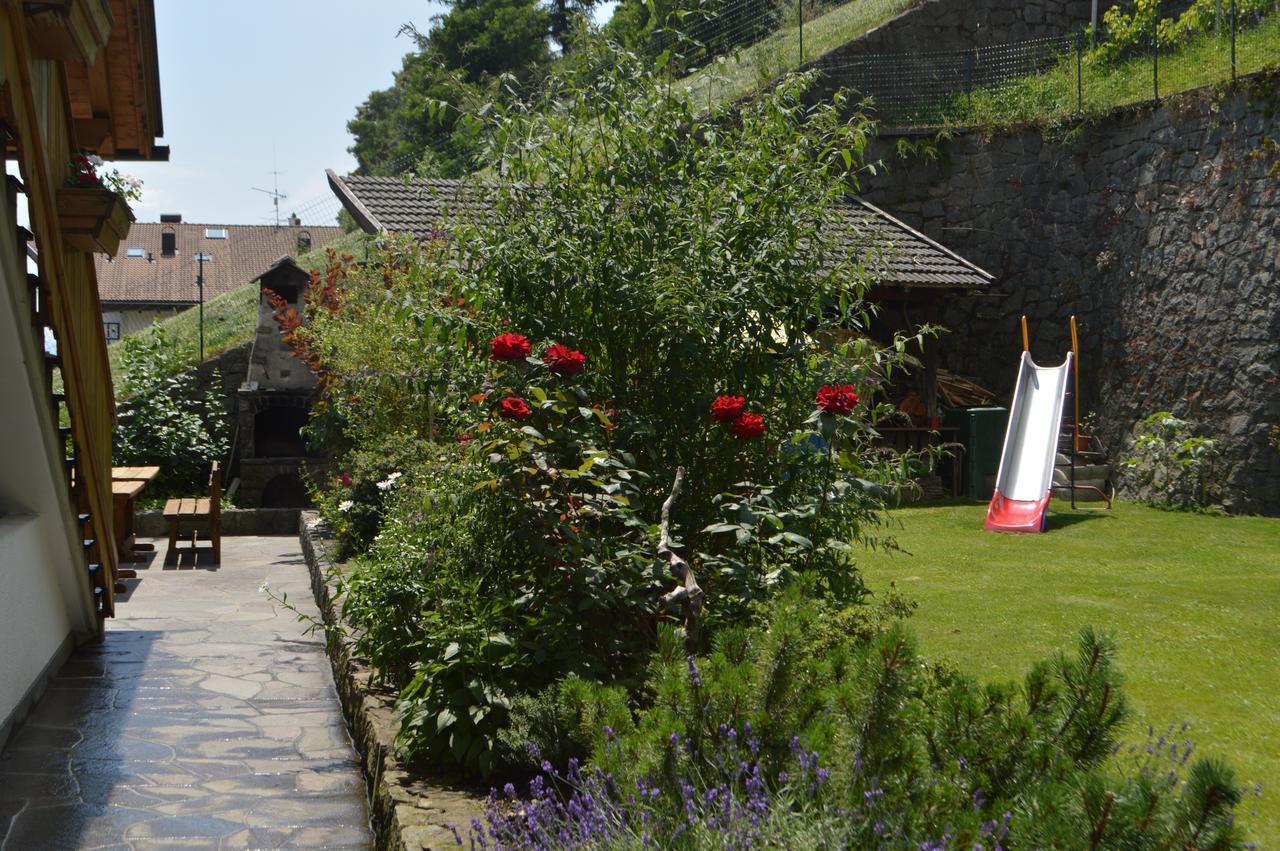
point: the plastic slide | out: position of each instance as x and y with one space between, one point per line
1030 446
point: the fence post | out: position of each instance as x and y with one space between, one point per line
1155 51
1233 41
1080 73
800 18
968 81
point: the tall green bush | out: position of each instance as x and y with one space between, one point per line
652 288
688 254
164 417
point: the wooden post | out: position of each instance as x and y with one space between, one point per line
930 388
1075 367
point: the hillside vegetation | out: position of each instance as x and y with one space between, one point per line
229 319
1052 96
734 76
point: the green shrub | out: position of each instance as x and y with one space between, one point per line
1129 32
164 418
355 500
892 751
673 262
1171 467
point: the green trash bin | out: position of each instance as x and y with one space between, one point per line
982 433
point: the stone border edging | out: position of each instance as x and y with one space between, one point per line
408 812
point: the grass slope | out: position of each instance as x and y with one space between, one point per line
231 318
1190 599
736 75
1052 96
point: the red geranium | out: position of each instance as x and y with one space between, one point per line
747 427
509 347
563 360
514 408
728 408
837 398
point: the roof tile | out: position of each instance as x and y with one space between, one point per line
897 253
245 254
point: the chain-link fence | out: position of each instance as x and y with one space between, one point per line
732 50
1050 78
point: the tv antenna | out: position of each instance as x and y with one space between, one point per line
274 192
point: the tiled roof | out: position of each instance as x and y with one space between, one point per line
245 254
901 255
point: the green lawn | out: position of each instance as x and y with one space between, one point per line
741 73
1193 602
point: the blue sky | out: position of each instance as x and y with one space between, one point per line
252 85
248 83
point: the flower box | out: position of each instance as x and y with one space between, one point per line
93 218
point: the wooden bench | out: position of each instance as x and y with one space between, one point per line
196 512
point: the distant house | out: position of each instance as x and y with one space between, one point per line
154 273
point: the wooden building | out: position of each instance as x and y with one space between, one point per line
76 76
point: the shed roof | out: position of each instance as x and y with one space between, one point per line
239 258
907 258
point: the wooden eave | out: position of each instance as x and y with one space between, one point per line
115 101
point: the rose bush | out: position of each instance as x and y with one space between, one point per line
558 357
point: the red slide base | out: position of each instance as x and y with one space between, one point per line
1016 515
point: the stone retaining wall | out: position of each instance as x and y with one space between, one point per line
409 812
1159 227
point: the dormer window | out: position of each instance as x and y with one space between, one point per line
215 233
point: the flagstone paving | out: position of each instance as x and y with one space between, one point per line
207 718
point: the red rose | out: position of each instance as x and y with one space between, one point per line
509 347
728 408
465 437
837 398
747 427
563 360
514 408
345 480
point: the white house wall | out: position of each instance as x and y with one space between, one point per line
45 602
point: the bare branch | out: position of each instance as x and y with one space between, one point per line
688 595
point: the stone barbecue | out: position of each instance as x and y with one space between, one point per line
274 402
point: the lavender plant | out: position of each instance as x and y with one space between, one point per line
823 728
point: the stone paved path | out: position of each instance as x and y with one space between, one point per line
206 719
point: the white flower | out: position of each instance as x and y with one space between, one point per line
388 482
95 159
346 505
264 587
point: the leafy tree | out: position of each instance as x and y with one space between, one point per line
491 37
400 128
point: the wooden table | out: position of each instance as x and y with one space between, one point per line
126 474
126 484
